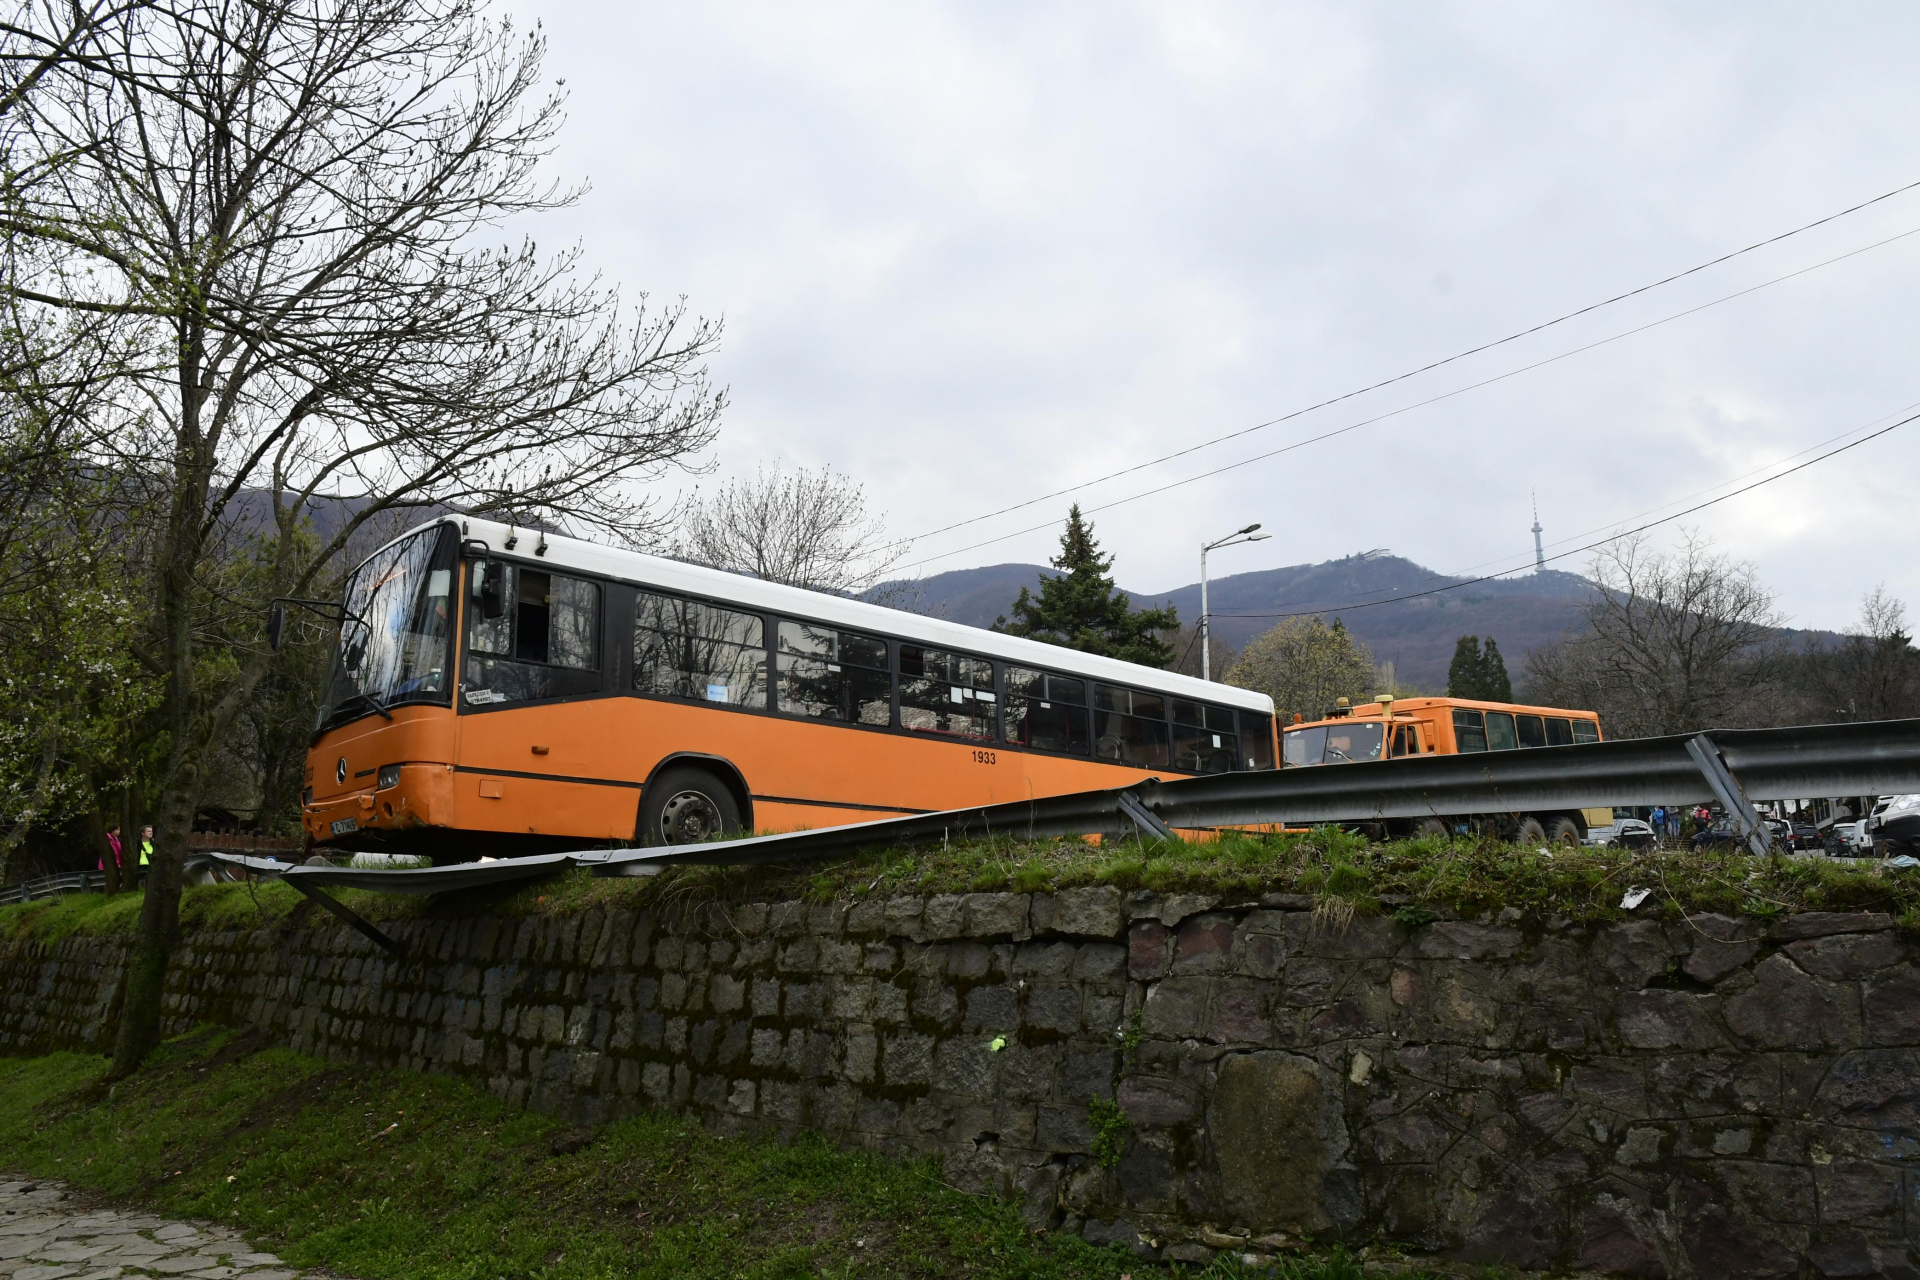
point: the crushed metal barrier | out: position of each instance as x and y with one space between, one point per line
1732 768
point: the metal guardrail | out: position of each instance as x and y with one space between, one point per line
1729 767
50 886
1876 758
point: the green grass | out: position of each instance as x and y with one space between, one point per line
1413 879
387 1176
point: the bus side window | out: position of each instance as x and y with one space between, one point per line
1469 731
1559 732
834 675
1500 731
1203 738
1256 740
1129 726
1046 712
946 693
685 649
1586 731
544 644
1532 732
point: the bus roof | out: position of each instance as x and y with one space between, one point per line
1403 706
673 575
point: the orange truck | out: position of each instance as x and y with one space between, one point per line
1394 729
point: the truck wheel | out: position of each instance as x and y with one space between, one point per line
1431 829
1564 832
686 806
1530 832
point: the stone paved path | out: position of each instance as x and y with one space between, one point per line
46 1234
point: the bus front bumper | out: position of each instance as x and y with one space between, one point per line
422 797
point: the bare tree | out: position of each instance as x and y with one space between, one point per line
804 528
293 209
1872 674
1676 642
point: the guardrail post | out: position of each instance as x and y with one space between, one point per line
398 950
1145 821
1726 787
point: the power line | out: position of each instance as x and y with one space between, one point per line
1574 537
1627 533
1421 404
1425 368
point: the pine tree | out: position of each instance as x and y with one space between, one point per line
1079 607
1494 684
1478 673
1464 672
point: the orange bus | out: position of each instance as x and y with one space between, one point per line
1391 729
499 690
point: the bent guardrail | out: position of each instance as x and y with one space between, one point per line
1731 767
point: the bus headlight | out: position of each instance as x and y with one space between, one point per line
389 777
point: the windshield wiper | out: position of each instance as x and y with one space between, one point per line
373 700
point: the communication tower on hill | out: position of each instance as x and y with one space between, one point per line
1539 552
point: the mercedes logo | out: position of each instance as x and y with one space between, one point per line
340 770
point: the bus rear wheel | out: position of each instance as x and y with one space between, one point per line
686 806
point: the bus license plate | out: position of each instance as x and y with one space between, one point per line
346 825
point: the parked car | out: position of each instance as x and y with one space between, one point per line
1720 835
1895 825
1621 833
1849 840
1723 834
1804 837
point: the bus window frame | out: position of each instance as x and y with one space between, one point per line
768 648
615 662
889 644
995 685
1520 726
1086 711
1479 722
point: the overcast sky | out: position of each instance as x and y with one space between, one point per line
968 254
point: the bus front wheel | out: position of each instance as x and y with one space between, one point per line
686 806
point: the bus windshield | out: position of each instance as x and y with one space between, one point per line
393 645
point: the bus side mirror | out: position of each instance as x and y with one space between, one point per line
276 626
493 590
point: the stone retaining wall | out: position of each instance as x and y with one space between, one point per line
1705 1098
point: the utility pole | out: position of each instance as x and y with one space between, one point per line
1233 539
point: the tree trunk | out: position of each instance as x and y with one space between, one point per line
159 927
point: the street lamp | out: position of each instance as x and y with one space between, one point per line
1233 539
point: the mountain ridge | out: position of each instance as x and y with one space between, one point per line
1417 635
